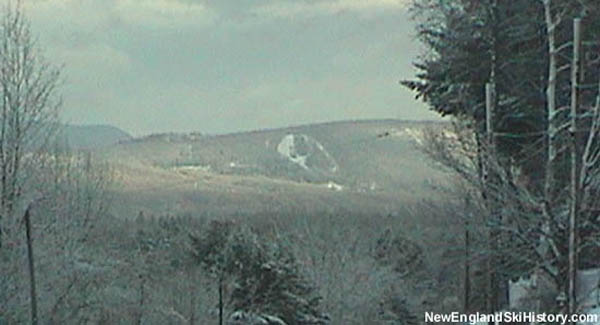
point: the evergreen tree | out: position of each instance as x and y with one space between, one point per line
523 49
394 310
265 276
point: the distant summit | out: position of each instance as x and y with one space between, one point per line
92 136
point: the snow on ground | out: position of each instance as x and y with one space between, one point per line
593 311
239 165
334 166
334 186
192 169
520 290
588 293
288 148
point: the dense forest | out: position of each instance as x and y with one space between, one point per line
521 81
511 225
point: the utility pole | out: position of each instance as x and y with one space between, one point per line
32 290
467 261
575 168
493 287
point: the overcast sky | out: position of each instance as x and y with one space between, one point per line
217 66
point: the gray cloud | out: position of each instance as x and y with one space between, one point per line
228 65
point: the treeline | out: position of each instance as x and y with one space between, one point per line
521 81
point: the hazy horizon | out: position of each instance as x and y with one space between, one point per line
151 66
266 128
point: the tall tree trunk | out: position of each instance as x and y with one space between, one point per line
3 145
495 213
552 130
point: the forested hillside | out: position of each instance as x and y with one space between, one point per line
362 166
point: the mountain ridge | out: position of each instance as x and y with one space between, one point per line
372 165
91 136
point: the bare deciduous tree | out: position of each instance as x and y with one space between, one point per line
29 103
